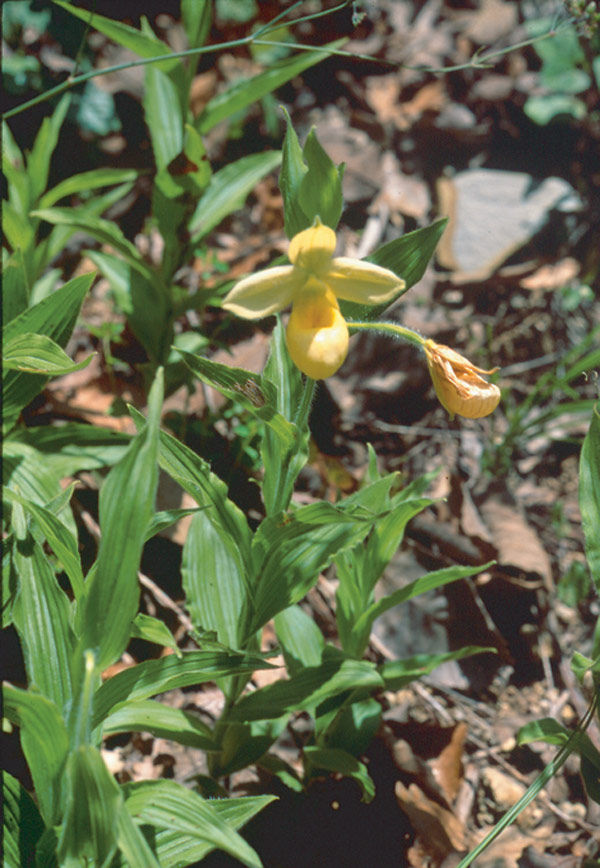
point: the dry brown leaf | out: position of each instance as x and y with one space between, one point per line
553 276
517 543
448 766
440 832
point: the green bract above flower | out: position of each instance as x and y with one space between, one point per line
317 334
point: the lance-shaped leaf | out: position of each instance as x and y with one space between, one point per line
93 801
148 715
126 504
45 744
589 495
38 354
22 826
307 689
41 616
407 257
167 673
196 478
169 805
289 552
342 762
398 673
54 317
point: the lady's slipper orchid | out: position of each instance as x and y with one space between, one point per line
458 384
316 334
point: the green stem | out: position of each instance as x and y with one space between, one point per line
389 328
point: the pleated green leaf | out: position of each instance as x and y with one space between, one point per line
59 537
399 673
428 582
102 230
589 495
72 447
38 354
289 552
93 803
168 805
148 715
22 826
320 193
85 181
134 849
214 580
249 90
54 317
196 478
126 504
176 850
163 116
38 162
293 170
341 762
306 689
153 630
301 640
45 744
227 191
41 616
157 676
407 257
141 43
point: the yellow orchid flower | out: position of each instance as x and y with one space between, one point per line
458 384
317 334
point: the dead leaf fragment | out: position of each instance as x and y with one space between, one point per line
441 833
448 766
515 540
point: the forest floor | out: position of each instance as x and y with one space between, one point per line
512 285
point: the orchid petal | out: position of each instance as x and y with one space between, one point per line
362 282
264 293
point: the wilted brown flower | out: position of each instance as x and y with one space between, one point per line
458 384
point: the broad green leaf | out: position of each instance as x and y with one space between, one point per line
306 689
214 580
93 802
169 805
163 116
243 744
195 477
15 287
133 847
551 731
166 518
341 762
589 495
41 616
428 582
161 721
320 192
352 727
66 449
13 168
54 317
59 537
38 162
141 43
176 850
22 826
45 285
153 630
407 257
126 505
301 640
227 191
289 552
196 17
248 91
38 354
251 390
167 673
85 181
398 673
45 744
102 230
141 297
17 228
293 170
28 472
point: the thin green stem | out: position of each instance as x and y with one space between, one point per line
476 62
388 328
